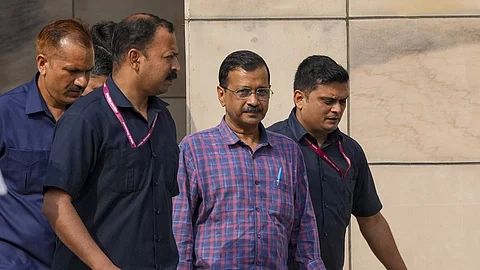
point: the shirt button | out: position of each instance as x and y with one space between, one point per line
154 155
258 263
157 211
259 236
324 179
325 233
157 239
155 183
257 182
326 205
258 209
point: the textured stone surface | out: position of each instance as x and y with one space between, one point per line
433 213
20 23
264 8
415 88
413 7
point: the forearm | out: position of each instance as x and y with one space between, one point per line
68 226
379 237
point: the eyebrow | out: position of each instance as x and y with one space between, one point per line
327 97
75 69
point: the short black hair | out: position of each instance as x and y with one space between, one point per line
244 59
316 70
102 33
136 32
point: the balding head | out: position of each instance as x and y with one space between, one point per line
55 33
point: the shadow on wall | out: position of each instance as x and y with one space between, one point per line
387 40
20 22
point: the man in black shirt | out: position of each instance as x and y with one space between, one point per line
114 159
339 177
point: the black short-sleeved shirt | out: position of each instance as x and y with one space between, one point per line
123 195
334 198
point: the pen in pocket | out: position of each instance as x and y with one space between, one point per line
279 176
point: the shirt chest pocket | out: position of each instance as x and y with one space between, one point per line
126 170
341 189
170 167
26 170
281 195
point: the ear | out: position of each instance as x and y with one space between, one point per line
41 63
299 98
133 58
221 95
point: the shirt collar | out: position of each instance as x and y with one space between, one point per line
34 101
230 138
299 131
121 100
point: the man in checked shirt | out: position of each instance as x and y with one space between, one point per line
244 200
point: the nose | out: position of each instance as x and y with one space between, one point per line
82 80
176 64
336 108
253 99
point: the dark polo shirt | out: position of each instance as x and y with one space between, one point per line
27 240
122 194
334 198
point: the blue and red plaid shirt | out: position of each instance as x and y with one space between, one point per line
232 213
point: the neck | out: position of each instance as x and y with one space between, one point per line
249 135
56 108
320 136
131 92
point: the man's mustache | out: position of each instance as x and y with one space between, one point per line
252 109
172 75
75 89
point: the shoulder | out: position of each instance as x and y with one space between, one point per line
283 143
15 96
281 127
87 106
279 138
88 111
352 145
200 137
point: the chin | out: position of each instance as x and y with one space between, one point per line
70 101
331 129
161 91
252 121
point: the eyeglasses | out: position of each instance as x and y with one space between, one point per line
244 93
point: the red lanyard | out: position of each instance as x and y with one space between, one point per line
117 113
328 160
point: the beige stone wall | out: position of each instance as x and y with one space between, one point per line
414 107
